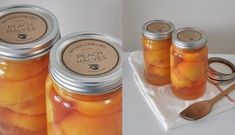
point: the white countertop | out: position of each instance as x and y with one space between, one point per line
138 118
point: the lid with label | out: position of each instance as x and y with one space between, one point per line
158 29
26 32
189 38
87 63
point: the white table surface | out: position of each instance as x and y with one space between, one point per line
138 118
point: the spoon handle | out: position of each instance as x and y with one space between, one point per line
222 94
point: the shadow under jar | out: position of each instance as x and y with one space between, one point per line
156 42
27 34
189 62
84 87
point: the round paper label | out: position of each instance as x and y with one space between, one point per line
22 27
189 35
90 57
158 27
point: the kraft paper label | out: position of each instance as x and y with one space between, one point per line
90 57
189 35
22 27
158 27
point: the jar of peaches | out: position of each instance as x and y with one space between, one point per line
84 87
189 62
27 34
156 45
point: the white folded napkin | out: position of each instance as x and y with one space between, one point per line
165 106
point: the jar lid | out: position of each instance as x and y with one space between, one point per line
220 71
158 29
189 38
26 32
87 63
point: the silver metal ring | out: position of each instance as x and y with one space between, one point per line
219 81
217 77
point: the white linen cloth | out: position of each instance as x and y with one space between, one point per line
165 106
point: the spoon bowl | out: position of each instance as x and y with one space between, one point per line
196 110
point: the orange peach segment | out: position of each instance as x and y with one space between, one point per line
195 55
49 106
192 70
179 81
156 56
93 105
153 70
119 123
165 63
174 58
54 129
50 112
15 92
32 123
32 107
57 109
7 129
56 106
100 107
21 70
156 45
77 124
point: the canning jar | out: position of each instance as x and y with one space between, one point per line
189 62
27 34
84 86
156 45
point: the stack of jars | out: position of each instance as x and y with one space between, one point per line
179 58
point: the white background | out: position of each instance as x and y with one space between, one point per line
81 15
215 17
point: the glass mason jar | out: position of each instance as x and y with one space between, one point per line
27 34
156 44
84 87
189 62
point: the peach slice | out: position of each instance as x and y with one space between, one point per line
174 58
196 55
54 129
156 56
156 45
32 123
21 70
99 107
157 80
77 124
192 70
49 106
57 107
165 62
15 92
153 70
179 81
119 123
195 91
93 105
13 130
32 107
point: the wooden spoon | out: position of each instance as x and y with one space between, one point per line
200 109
